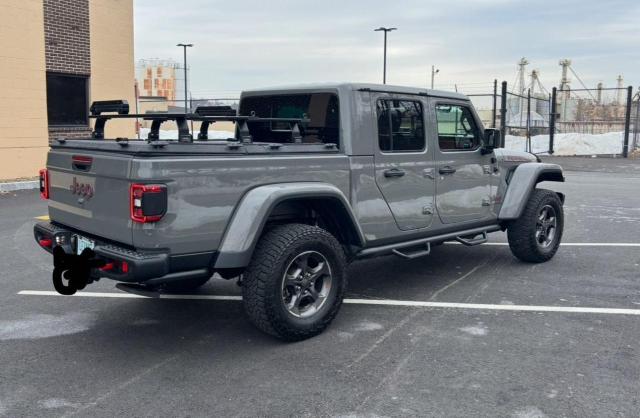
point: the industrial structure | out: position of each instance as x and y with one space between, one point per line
528 102
583 109
159 78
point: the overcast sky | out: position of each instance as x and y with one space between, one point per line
253 43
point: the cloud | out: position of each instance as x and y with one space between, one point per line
253 43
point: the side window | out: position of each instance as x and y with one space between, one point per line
400 126
457 129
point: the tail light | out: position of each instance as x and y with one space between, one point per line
45 242
148 202
44 183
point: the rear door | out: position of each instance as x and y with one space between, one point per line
463 172
89 191
404 166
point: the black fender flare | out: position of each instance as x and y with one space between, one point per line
522 183
253 210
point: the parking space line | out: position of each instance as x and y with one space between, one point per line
42 218
568 244
373 302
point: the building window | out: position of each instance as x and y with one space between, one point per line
457 129
400 126
67 99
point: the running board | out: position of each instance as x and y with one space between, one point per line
397 248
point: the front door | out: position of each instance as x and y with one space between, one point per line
404 166
464 173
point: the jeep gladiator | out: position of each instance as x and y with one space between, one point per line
314 177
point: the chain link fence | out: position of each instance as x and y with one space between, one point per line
634 147
600 121
593 121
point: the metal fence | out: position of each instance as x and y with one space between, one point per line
585 121
634 139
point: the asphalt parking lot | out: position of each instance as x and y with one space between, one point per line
485 354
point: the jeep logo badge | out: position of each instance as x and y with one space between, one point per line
81 189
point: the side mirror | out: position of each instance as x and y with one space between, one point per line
491 140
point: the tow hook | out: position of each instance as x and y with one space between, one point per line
73 269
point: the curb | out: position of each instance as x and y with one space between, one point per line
19 185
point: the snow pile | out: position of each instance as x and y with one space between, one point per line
571 143
173 134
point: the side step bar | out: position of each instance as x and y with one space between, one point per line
471 240
415 254
466 237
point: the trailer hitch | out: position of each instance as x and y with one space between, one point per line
73 269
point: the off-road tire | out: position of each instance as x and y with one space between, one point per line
521 232
184 285
262 281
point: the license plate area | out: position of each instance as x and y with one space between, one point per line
82 243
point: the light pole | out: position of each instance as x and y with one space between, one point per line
384 65
434 71
184 47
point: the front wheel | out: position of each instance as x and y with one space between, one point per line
295 283
536 235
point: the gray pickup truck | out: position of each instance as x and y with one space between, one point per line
313 178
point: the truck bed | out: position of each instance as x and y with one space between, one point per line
205 180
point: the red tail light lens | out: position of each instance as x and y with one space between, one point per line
148 202
44 183
45 242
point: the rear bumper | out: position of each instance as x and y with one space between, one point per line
126 264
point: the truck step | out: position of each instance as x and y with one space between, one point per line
415 253
471 240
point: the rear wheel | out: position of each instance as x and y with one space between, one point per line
536 235
295 283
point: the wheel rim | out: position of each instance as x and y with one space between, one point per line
306 284
546 226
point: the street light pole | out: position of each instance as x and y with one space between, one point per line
434 71
184 47
384 65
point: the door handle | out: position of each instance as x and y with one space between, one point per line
394 172
428 173
447 169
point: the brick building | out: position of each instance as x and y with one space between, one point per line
58 56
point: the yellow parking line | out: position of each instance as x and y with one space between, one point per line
43 218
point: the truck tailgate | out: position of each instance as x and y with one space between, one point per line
89 191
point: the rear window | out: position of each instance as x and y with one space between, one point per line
320 108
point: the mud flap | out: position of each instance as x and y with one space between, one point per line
72 272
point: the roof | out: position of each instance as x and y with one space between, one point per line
355 86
